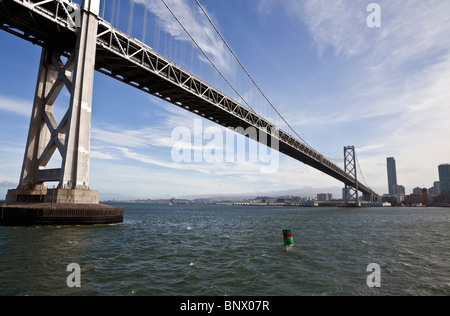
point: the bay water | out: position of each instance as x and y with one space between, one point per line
224 250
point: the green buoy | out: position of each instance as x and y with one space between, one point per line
287 235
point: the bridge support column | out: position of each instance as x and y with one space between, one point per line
70 138
72 203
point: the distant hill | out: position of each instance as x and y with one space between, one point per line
7 184
302 192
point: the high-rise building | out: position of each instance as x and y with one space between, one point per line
435 190
417 191
444 178
425 198
344 193
399 192
392 174
324 197
399 189
437 187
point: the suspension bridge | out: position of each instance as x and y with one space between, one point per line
76 41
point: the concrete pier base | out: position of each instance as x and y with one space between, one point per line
64 196
30 214
18 195
56 207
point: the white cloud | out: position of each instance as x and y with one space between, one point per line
414 39
411 31
265 7
394 87
332 24
408 29
96 154
25 107
417 135
138 138
197 25
148 159
196 179
17 106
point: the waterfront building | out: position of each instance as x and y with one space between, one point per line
434 191
324 197
417 191
414 200
399 192
437 187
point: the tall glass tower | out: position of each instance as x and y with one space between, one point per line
392 174
444 178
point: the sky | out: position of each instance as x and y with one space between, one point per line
335 80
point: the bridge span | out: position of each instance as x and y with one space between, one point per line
76 39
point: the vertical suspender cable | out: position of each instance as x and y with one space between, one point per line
192 57
113 12
130 18
103 9
144 27
157 35
118 13
206 55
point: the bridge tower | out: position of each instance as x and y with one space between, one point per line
71 137
351 191
72 202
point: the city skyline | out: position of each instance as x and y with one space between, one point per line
351 90
395 188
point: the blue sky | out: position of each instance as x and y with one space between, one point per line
336 81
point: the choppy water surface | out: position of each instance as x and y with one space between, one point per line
234 250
